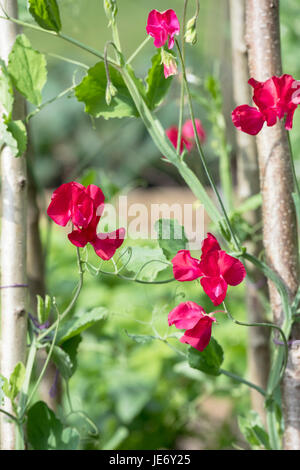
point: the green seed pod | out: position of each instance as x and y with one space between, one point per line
40 308
48 305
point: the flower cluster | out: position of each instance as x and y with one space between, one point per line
84 207
163 27
187 135
216 270
277 97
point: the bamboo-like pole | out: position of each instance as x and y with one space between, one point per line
279 219
13 245
248 185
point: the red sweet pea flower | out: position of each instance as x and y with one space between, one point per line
275 98
71 201
193 318
84 207
187 135
162 27
216 269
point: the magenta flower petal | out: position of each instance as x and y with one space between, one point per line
210 243
209 265
162 27
215 288
188 130
199 336
106 244
60 207
186 315
232 270
78 238
247 119
185 268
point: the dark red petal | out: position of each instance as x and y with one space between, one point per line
185 268
61 204
247 119
209 264
186 315
78 238
210 243
199 336
106 244
215 288
232 270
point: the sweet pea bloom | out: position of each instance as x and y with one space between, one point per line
277 97
216 269
169 62
163 27
197 323
84 207
187 135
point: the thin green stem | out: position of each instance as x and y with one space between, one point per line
46 103
66 59
10 416
243 381
201 154
63 36
268 325
37 383
138 50
73 301
181 108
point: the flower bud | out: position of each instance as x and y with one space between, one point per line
110 92
191 32
111 9
170 64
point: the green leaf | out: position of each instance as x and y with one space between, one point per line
92 92
46 14
209 360
6 138
80 322
146 262
12 387
171 237
158 85
46 432
140 339
63 362
19 133
252 429
70 347
27 69
6 90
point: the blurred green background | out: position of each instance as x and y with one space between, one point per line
141 396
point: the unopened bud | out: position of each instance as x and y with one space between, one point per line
191 32
110 92
111 9
170 64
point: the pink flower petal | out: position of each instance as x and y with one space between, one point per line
215 288
209 265
186 315
188 130
232 270
199 336
247 119
162 27
185 268
106 244
210 243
